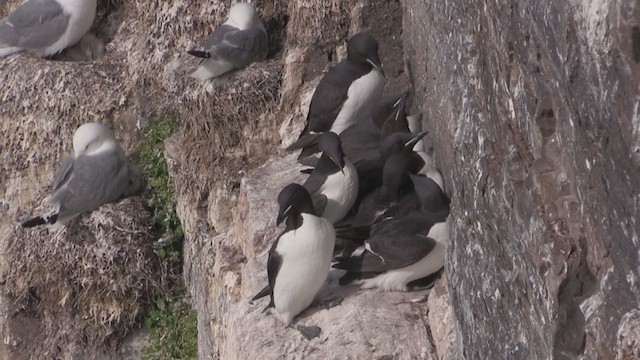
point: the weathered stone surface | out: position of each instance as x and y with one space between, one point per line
532 109
532 113
367 324
441 318
628 336
142 74
229 228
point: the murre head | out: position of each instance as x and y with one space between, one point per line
392 108
429 194
396 170
243 15
331 146
293 200
394 178
362 48
399 141
92 137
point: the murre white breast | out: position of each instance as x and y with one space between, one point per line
306 258
333 184
346 93
300 258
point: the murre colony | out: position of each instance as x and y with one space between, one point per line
382 227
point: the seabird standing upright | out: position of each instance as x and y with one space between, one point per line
95 173
333 184
46 27
347 92
300 258
241 40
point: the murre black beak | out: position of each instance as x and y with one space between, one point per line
414 140
376 64
399 104
282 214
338 162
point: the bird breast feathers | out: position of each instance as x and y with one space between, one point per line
362 93
315 234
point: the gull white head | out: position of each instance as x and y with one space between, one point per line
92 138
242 16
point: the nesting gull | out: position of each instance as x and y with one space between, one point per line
46 27
95 173
241 40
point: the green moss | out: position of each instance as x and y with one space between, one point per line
172 324
173 330
161 192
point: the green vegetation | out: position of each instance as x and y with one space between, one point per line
174 332
172 324
161 194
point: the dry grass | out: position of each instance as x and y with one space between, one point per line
230 121
90 282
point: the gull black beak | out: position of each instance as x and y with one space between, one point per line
283 214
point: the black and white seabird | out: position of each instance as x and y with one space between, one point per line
399 161
429 169
96 173
241 40
429 193
333 183
346 93
404 247
300 258
399 252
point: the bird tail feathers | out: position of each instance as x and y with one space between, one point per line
264 292
211 68
200 54
40 220
6 51
49 218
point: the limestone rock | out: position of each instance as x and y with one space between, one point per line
366 324
531 112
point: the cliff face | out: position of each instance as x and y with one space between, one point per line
231 226
534 110
533 115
